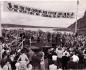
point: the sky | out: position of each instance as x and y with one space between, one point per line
51 5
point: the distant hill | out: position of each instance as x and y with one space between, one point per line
81 25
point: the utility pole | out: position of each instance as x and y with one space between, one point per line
0 19
0 33
76 24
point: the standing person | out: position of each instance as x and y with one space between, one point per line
50 51
17 66
1 41
29 66
54 57
81 61
7 66
42 62
12 61
75 60
59 51
52 66
65 59
84 53
30 54
23 56
23 60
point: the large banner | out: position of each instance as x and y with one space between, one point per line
37 12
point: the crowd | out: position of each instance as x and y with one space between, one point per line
66 52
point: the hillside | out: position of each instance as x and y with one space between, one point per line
81 25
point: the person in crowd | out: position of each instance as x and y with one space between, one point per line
66 52
65 59
17 65
81 60
75 60
23 56
4 59
12 61
1 47
29 66
23 59
74 43
50 53
7 66
30 54
42 62
84 54
54 57
52 66
59 68
35 61
59 51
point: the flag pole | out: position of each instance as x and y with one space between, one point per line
0 32
76 27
